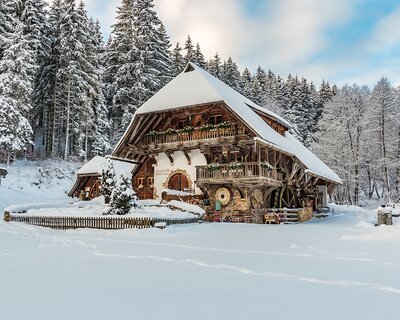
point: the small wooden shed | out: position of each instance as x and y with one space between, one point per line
88 176
3 173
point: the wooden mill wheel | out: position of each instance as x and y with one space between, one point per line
223 195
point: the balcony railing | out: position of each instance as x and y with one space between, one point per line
246 170
197 134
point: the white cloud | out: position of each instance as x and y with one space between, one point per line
386 33
215 24
287 33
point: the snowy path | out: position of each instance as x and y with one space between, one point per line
320 270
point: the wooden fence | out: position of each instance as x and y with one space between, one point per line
101 222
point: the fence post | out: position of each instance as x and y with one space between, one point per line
7 216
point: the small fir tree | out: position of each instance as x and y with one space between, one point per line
123 198
107 181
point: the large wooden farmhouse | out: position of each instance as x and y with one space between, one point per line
200 136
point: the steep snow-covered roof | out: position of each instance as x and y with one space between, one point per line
196 86
98 163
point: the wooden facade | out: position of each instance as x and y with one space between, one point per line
143 179
86 187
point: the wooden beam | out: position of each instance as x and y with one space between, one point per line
154 158
151 121
186 153
136 128
295 169
171 159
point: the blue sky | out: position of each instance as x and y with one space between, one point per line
343 41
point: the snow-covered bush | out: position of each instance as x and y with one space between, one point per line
107 181
122 196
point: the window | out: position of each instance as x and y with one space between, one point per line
150 181
181 124
216 119
235 155
140 182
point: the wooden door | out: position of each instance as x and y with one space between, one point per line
178 182
143 180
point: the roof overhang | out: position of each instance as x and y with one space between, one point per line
308 171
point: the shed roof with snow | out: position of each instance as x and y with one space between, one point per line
97 164
94 168
195 86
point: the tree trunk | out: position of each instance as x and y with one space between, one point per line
66 151
86 140
398 165
370 187
54 144
386 183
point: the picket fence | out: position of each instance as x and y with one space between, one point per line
101 222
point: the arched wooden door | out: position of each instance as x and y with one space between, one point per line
178 182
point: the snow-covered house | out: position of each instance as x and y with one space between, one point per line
88 176
199 135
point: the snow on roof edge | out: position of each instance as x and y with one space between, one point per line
95 166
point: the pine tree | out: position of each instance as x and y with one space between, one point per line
123 198
140 58
177 60
190 52
8 22
100 138
107 181
75 75
32 14
230 74
129 80
214 66
259 85
162 59
15 94
15 130
199 57
117 192
245 84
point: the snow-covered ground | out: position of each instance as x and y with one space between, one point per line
340 267
34 182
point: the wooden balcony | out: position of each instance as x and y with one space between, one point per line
212 135
247 172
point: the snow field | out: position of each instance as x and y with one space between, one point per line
340 267
317 270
